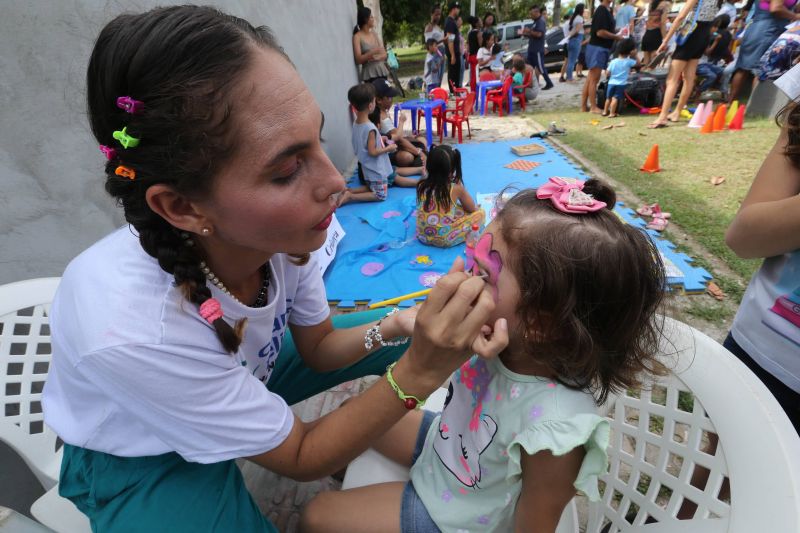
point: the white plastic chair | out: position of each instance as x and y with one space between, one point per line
658 437
24 361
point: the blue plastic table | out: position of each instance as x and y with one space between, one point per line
427 106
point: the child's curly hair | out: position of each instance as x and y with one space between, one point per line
590 286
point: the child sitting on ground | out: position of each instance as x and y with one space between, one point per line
434 60
410 149
372 155
445 210
717 54
617 75
519 434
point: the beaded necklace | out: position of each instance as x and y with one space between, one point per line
261 299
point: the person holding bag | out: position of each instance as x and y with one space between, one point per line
693 32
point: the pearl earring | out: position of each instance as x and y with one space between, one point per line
205 231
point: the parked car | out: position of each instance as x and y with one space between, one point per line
554 53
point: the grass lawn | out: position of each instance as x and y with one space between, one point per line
411 59
688 160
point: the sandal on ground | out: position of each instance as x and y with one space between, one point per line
615 115
645 210
657 125
658 224
658 213
603 114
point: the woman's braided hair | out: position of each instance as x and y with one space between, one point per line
181 62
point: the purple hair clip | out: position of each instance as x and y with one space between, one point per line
129 105
109 152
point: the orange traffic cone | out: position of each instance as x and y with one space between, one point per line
651 163
738 119
719 118
708 127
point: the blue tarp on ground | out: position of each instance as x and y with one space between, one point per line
380 257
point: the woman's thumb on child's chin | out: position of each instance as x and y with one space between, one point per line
457 266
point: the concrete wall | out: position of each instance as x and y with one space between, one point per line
52 202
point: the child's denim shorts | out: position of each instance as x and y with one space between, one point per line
616 91
414 517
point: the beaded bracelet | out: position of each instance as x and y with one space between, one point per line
373 335
411 402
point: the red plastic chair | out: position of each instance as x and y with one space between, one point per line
499 97
458 116
487 75
436 93
459 92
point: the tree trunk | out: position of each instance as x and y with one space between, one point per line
375 6
556 12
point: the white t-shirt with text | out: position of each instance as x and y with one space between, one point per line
136 371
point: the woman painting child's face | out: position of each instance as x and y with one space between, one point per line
275 193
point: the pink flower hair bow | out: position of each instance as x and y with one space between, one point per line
567 196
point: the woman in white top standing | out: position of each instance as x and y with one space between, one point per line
368 49
171 357
433 30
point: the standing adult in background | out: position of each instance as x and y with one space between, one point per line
474 42
685 58
655 29
639 27
574 39
489 23
598 52
433 30
462 45
535 33
624 18
368 49
768 22
728 8
453 43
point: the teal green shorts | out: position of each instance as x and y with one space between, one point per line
167 493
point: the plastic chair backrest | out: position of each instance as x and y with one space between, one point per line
487 76
527 79
659 436
25 359
468 105
439 93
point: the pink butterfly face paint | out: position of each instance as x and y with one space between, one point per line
488 261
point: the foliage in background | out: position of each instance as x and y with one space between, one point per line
405 20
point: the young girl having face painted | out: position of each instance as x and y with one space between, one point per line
519 434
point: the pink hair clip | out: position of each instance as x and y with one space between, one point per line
129 105
109 152
568 197
211 310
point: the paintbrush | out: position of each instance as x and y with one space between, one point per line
408 296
